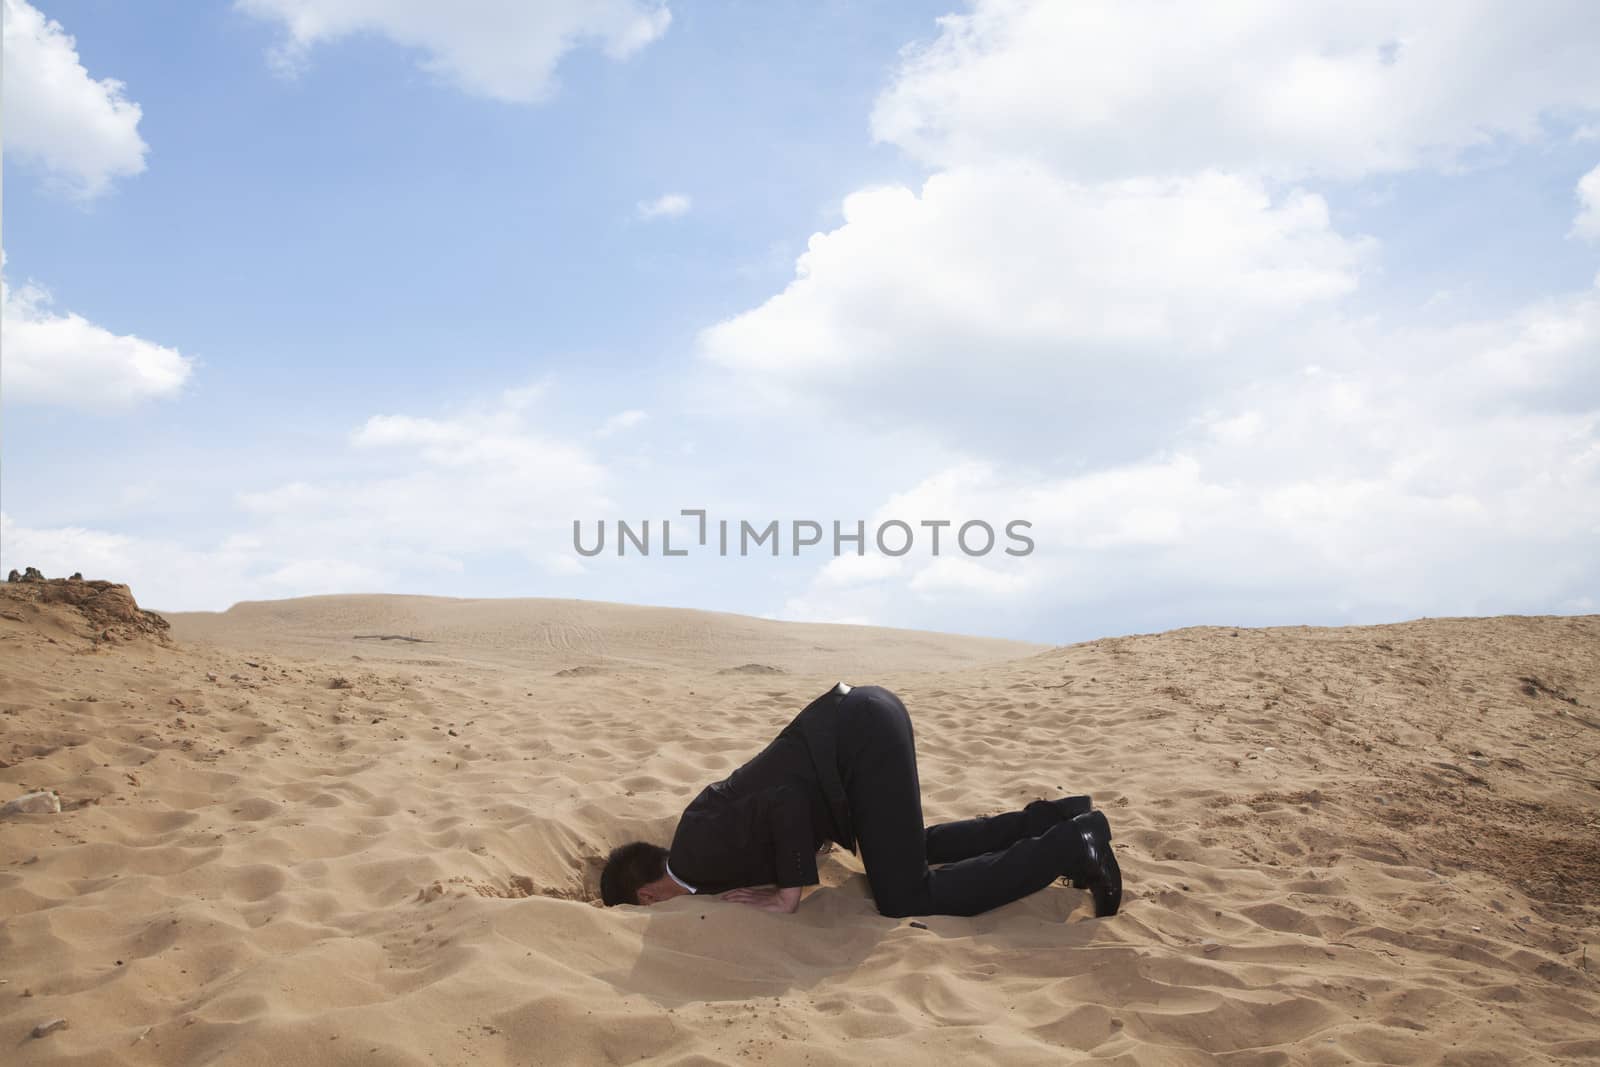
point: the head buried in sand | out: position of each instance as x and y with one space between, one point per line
636 873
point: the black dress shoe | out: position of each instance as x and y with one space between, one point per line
1103 877
1101 823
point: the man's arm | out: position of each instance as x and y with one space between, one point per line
767 899
794 862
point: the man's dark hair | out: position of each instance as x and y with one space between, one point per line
629 867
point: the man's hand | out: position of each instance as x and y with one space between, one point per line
766 898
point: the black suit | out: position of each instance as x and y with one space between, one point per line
763 824
845 770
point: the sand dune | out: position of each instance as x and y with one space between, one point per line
581 636
364 830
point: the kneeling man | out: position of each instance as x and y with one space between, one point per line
845 770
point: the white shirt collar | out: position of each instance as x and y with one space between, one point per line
680 881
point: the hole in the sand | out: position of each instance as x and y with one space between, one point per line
516 887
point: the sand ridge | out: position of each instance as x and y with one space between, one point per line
281 844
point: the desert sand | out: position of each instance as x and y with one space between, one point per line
365 830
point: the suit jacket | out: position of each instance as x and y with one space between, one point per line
762 824
817 727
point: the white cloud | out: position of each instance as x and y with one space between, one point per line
1111 290
1447 472
622 420
65 360
497 444
1108 242
847 571
1085 310
965 581
1236 429
331 575
285 499
1117 87
1587 224
435 495
521 397
83 132
501 49
166 574
475 482
64 550
666 206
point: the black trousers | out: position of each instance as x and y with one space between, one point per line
991 861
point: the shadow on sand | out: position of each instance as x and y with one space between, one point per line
696 950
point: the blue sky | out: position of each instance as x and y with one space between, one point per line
1257 318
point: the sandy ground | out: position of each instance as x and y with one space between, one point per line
289 840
